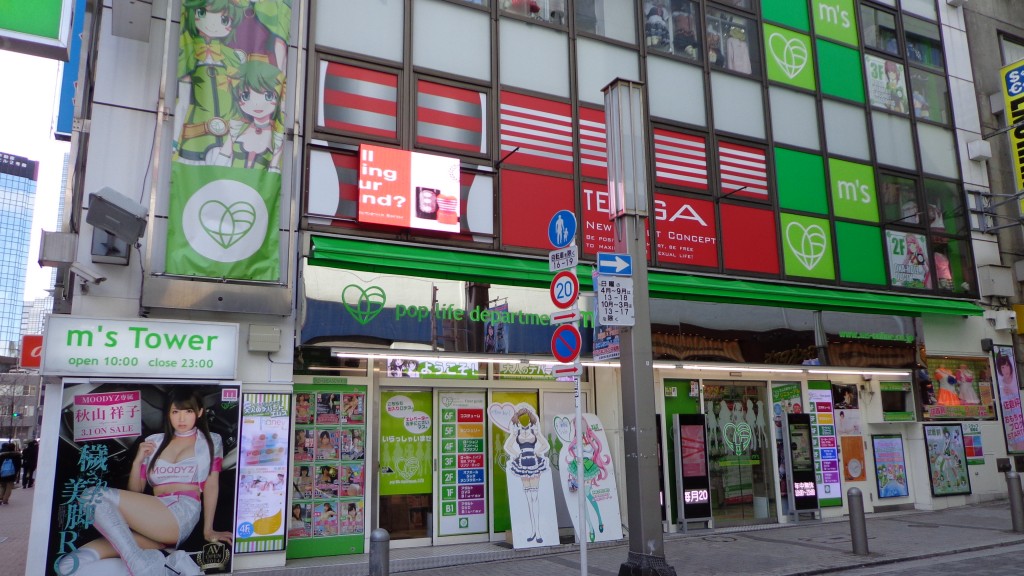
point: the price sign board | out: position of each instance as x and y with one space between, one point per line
615 305
565 289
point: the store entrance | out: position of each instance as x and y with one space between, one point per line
740 454
432 481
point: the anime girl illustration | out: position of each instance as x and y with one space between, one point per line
206 65
595 463
598 478
527 449
255 132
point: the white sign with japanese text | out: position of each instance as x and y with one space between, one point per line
107 415
615 301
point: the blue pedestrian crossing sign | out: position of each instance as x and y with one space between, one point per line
562 229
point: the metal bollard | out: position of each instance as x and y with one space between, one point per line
380 552
858 526
1016 500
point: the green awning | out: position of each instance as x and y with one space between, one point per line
517 271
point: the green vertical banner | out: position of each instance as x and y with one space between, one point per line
225 193
406 442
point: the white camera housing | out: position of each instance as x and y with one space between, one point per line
87 274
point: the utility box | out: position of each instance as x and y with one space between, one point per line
995 281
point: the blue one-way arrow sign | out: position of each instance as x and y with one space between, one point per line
614 264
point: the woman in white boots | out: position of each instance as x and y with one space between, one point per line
183 465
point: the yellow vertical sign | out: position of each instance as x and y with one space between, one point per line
1012 80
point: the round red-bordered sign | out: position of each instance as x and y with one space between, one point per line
565 343
565 289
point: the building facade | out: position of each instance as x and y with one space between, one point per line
18 177
817 258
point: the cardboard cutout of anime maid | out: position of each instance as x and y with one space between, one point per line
531 495
601 504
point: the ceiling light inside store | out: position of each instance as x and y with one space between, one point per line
861 372
739 369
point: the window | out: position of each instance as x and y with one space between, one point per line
943 207
879 30
899 200
672 26
732 42
923 43
928 96
611 18
552 11
1013 51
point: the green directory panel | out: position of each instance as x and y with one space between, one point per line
835 19
788 57
860 253
839 71
800 179
807 247
853 190
792 13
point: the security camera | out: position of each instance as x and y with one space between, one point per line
87 274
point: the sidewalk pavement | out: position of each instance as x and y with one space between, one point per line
804 548
15 518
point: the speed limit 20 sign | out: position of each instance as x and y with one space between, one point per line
565 289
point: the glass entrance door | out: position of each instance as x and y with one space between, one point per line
740 454
405 483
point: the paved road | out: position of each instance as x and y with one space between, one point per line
998 562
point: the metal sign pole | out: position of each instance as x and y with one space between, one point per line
581 501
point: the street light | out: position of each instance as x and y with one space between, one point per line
628 185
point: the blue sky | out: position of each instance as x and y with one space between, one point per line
27 117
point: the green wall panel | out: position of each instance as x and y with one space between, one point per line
835 19
792 13
788 56
854 194
840 71
800 179
807 247
860 251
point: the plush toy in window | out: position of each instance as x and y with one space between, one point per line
656 27
525 7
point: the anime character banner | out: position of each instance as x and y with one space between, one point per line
228 139
263 467
1009 398
947 461
601 504
166 481
531 496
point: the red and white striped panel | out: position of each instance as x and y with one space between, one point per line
541 129
450 117
593 144
743 167
680 159
358 100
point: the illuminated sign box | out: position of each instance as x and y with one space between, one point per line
39 28
409 189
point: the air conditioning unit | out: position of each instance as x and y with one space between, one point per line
995 281
1002 319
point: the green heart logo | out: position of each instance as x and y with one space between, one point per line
737 437
363 305
807 243
227 224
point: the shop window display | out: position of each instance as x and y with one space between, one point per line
957 388
732 42
900 203
928 96
328 475
552 11
879 29
610 18
672 26
923 43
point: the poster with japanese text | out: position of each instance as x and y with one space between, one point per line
406 437
92 475
262 473
463 463
890 466
825 442
947 461
102 416
1009 398
785 400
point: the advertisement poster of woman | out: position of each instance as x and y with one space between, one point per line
159 496
1009 398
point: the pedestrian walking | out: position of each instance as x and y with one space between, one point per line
29 457
10 465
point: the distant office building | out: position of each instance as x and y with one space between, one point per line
18 177
34 315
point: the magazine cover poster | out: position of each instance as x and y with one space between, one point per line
109 434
